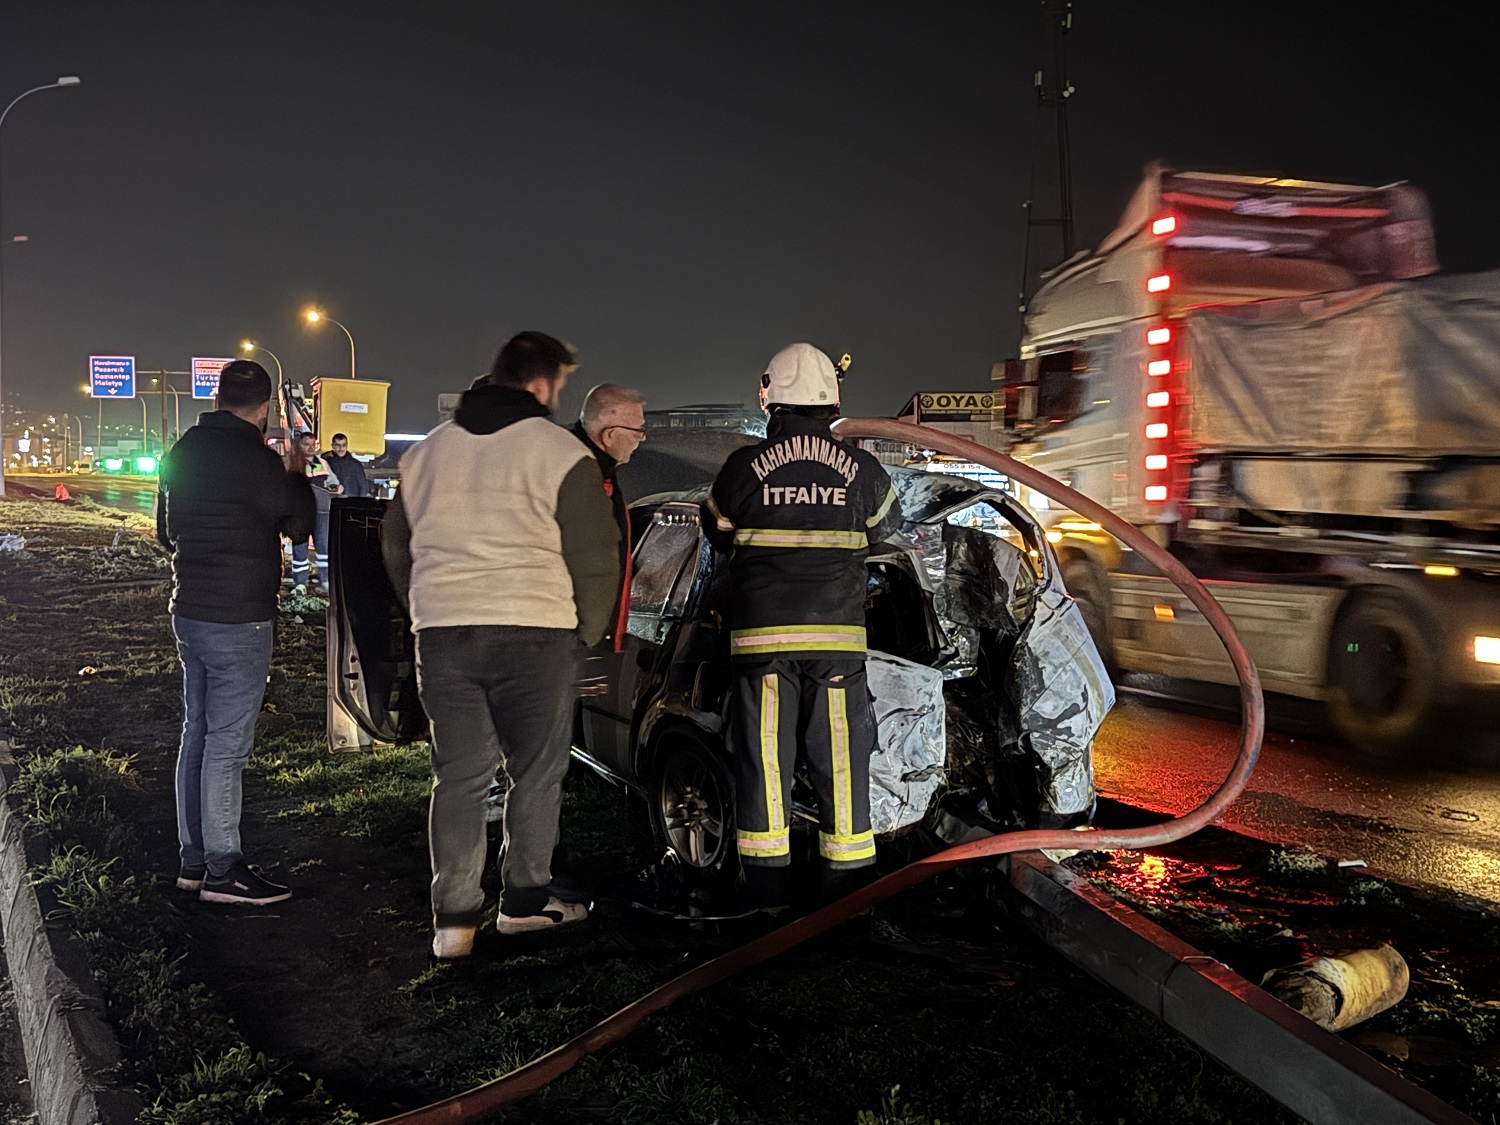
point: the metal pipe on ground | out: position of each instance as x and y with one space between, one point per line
533 1076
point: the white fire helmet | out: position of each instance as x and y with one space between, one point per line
799 375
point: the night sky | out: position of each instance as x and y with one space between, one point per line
677 189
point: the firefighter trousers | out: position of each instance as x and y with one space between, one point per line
823 708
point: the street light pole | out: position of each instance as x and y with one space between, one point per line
65 80
250 347
315 316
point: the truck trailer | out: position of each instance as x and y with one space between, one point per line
1272 377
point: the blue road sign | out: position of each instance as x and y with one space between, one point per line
206 376
112 376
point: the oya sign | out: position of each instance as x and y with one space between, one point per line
112 376
206 376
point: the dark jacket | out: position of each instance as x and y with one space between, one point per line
350 471
799 510
607 467
224 501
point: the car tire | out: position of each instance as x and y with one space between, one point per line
1383 675
1088 587
691 799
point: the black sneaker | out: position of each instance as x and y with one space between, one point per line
190 877
243 883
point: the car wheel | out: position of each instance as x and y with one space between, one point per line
1382 674
692 803
1087 586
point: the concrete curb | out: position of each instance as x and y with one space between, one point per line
1312 1072
69 1044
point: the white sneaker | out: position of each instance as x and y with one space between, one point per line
555 913
449 943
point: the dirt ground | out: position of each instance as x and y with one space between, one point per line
327 1007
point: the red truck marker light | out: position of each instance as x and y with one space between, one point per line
1158 336
1159 284
1156 461
1156 492
1165 225
1159 367
1158 398
1156 430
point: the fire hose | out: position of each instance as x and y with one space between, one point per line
533 1076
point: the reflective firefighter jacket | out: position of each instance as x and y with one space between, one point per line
799 511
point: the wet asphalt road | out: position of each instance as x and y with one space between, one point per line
1419 823
130 493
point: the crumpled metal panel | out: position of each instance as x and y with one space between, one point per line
906 769
989 583
1060 692
925 495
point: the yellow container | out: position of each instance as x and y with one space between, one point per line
355 407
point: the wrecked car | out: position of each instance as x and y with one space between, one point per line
988 689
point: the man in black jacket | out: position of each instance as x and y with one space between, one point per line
347 467
225 500
799 512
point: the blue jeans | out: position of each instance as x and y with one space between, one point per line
224 670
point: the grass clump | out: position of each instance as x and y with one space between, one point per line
1295 864
894 1111
181 1051
381 794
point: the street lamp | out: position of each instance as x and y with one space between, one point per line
177 397
316 316
250 347
65 80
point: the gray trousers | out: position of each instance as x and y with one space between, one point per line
495 694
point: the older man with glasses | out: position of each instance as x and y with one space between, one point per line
612 424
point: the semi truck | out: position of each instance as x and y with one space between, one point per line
1272 378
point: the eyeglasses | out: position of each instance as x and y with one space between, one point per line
633 429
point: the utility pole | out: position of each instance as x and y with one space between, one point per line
1052 93
165 390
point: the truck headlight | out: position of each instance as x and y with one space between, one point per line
1487 650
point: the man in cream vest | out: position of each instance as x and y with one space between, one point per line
502 540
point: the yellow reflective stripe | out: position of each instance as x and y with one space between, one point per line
723 523
838 744
764 843
761 648
890 498
798 638
778 630
845 849
770 750
794 537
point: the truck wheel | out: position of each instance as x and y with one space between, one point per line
1382 675
1087 586
692 803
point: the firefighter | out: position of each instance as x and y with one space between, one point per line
799 511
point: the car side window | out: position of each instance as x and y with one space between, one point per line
664 561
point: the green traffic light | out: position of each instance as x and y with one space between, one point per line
145 465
